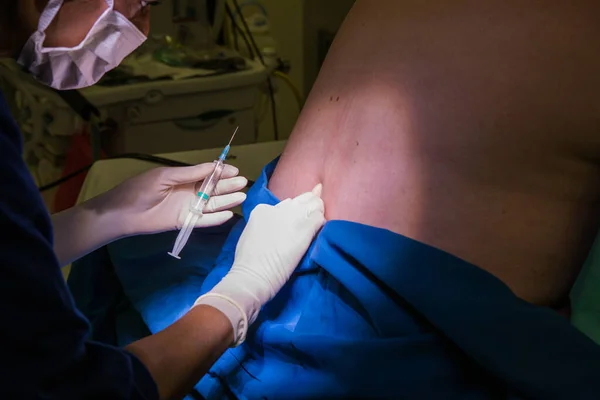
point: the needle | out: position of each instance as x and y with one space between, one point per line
232 136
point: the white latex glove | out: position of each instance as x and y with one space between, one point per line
159 200
269 250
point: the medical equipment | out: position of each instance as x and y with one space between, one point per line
200 201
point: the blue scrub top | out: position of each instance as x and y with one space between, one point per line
45 352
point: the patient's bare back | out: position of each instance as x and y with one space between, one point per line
470 126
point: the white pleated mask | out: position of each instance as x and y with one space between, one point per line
112 38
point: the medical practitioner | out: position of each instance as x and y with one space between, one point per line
44 352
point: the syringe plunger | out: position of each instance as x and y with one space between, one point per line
200 200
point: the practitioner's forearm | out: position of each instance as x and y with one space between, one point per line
181 354
84 228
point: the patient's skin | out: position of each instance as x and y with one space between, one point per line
472 126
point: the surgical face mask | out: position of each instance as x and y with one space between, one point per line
112 38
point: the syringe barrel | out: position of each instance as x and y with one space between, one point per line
207 188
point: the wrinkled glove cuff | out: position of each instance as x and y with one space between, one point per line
232 310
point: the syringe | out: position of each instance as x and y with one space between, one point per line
200 200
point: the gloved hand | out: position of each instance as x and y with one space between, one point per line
158 200
268 251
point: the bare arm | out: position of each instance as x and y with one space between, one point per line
181 354
178 356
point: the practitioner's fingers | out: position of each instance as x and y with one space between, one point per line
318 190
308 196
224 202
315 206
214 219
230 185
195 173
